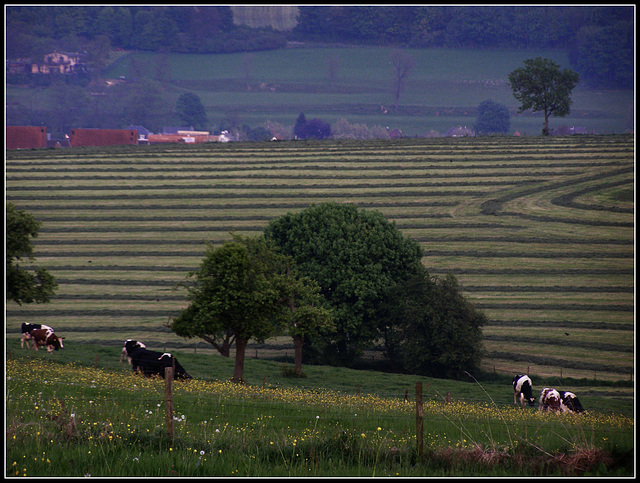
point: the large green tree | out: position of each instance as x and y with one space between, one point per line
355 256
31 284
541 86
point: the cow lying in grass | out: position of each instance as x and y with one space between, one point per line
151 363
550 400
570 403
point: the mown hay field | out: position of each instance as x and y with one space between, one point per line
538 231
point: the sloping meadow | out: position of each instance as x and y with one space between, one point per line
538 231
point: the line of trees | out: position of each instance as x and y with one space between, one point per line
600 39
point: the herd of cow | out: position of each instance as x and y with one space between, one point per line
550 399
149 363
152 363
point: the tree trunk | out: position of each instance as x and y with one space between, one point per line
545 131
297 344
238 369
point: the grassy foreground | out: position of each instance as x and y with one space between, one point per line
69 419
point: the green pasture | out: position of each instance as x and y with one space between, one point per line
88 415
538 231
443 90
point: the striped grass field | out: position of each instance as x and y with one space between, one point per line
538 231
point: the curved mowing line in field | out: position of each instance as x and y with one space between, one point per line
494 206
567 200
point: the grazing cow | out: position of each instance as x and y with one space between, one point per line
569 403
523 390
45 338
129 346
26 332
550 400
151 363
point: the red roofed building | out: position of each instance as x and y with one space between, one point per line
102 137
25 137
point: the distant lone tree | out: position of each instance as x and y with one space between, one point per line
492 118
403 64
191 111
542 87
24 285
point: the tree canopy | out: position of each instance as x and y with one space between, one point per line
430 328
24 285
542 87
355 256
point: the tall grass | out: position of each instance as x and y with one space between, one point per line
67 420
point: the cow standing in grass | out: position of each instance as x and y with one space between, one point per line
45 338
523 390
26 332
151 363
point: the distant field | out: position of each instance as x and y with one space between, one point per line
539 232
442 91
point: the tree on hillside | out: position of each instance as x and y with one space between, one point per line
492 118
430 328
403 64
355 256
542 87
24 285
191 111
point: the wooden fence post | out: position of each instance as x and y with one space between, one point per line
168 399
419 420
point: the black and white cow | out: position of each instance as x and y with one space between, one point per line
569 403
523 390
550 400
151 363
26 332
45 337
